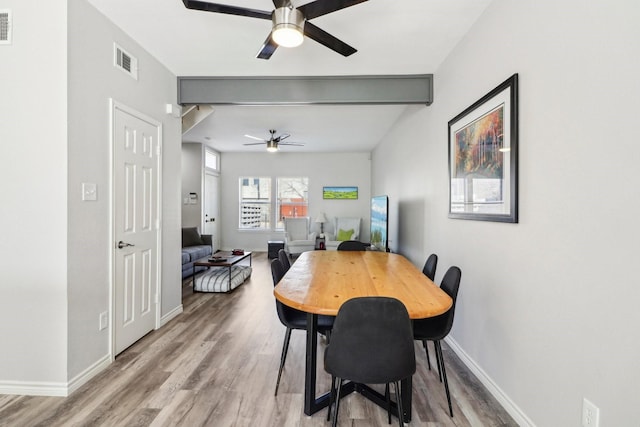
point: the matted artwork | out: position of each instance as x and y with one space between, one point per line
483 157
349 193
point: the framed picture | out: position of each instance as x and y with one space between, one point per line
350 193
483 157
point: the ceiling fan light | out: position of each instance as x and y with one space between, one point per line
288 27
272 146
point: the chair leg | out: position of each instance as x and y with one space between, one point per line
337 403
387 396
283 357
399 400
332 397
438 360
444 375
426 350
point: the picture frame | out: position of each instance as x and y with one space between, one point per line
483 157
340 193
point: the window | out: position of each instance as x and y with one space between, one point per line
255 203
211 160
292 199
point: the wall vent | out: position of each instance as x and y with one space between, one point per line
5 26
125 62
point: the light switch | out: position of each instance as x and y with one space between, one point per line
89 191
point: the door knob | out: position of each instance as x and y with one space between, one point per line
122 244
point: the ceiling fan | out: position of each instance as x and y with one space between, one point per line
274 141
289 23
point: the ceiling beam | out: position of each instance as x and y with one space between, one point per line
320 90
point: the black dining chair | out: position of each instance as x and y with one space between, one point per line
437 328
371 343
352 245
284 259
429 268
292 318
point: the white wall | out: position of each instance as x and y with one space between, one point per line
192 177
33 190
340 169
548 307
56 81
92 81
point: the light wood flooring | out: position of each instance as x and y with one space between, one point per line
216 365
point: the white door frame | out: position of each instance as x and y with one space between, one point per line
113 106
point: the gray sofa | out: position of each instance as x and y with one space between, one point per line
194 247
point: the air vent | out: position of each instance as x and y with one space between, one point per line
5 26
125 62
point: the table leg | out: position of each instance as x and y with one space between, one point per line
310 367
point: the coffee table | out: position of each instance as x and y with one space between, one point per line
229 260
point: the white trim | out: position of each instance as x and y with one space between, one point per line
85 376
25 388
516 413
171 315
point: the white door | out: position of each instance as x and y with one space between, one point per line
136 160
212 209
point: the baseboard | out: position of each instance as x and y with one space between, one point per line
170 315
26 388
504 400
86 375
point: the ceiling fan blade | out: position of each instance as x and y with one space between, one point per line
223 8
280 3
254 143
267 49
292 143
283 136
322 7
328 40
254 137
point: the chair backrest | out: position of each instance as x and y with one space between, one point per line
346 225
450 284
297 228
371 341
277 271
352 245
284 259
429 269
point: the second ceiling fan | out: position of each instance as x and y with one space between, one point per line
289 23
274 142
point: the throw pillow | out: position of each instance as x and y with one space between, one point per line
344 235
191 237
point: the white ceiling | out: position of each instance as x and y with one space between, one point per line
392 37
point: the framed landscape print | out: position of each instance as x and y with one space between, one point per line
483 157
350 193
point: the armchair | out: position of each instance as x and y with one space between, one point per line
297 238
343 229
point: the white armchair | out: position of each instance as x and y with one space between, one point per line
297 238
343 229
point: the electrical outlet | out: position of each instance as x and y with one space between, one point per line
590 414
103 320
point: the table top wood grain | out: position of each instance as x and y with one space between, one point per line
320 281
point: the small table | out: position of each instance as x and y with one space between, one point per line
229 261
320 281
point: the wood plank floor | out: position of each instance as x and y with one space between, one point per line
216 365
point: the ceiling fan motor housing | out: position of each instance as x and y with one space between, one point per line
288 26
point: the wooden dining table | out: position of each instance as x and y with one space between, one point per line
319 282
